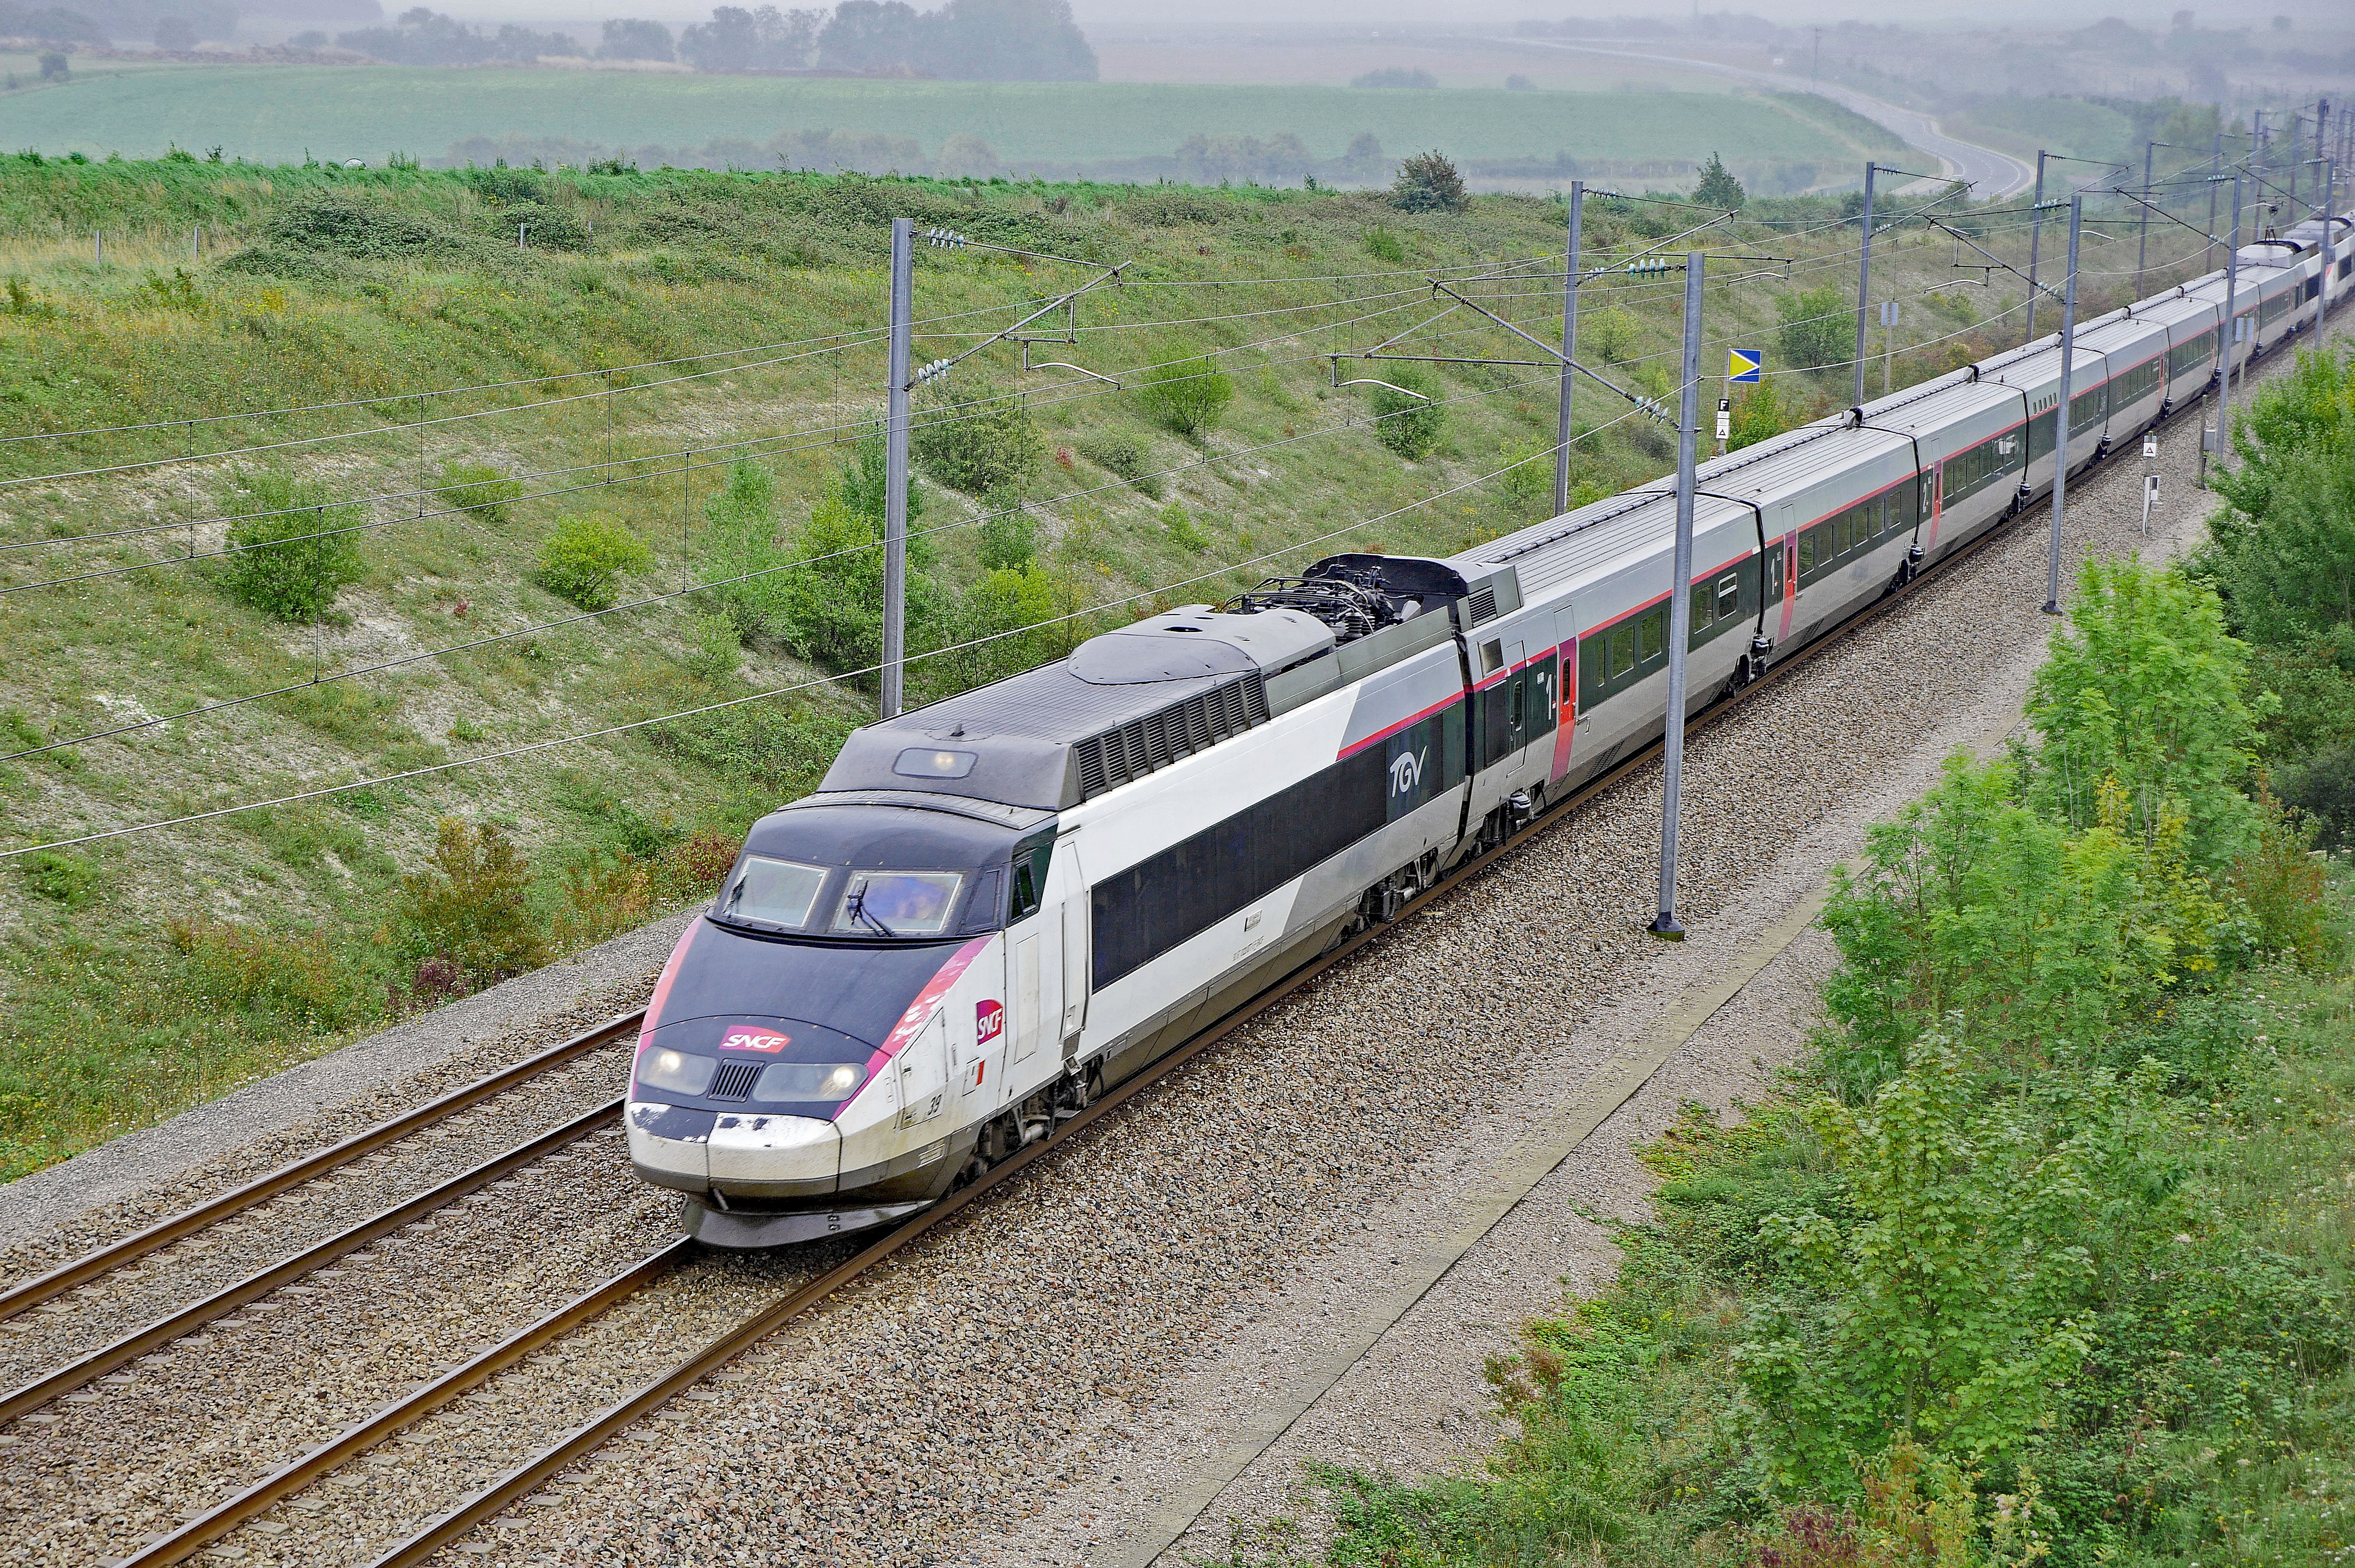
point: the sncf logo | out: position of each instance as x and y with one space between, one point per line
1406 770
988 1021
766 1042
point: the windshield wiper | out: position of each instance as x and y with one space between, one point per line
858 908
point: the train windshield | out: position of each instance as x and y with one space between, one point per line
869 875
897 903
774 892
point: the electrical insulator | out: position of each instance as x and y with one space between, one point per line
948 236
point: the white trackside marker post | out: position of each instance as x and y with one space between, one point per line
2060 409
2149 477
1672 746
895 468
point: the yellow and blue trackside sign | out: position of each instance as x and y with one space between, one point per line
1742 365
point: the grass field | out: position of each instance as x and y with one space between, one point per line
275 115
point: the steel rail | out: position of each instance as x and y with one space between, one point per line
570 1450
256 1285
309 1167
297 1474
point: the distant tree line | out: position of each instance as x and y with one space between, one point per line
171 24
422 37
970 40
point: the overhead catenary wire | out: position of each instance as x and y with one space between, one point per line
828 434
538 628
537 746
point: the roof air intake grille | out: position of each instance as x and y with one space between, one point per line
1144 745
1484 605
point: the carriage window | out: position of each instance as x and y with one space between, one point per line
1729 595
1623 648
1653 633
1701 601
1807 551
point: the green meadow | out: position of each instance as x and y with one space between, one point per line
280 114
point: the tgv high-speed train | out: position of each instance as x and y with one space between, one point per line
995 906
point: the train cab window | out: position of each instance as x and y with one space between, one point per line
1652 635
897 903
1729 595
774 892
1029 880
1623 648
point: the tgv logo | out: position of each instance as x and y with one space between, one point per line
1406 770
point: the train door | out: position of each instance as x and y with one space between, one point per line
1022 997
1572 723
1786 528
925 1072
1517 706
1072 897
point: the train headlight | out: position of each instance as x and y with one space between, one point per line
662 1068
785 1082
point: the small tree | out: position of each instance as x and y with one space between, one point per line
292 549
1818 327
55 67
1408 421
864 483
479 488
1009 540
976 438
1718 187
1758 416
471 906
741 531
1427 182
583 561
1188 395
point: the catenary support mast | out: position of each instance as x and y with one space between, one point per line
1672 747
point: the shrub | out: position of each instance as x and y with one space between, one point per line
1187 395
479 488
1030 601
2282 551
828 607
1427 182
1818 327
583 561
1182 531
295 977
741 531
1407 421
1121 454
1758 416
865 483
1010 540
1385 246
1395 77
2324 789
362 228
1608 332
974 438
544 227
2143 687
290 548
471 906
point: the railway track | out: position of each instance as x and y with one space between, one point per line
552 1459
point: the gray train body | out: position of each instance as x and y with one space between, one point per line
998 905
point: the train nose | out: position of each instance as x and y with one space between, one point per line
742 1154
757 1155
